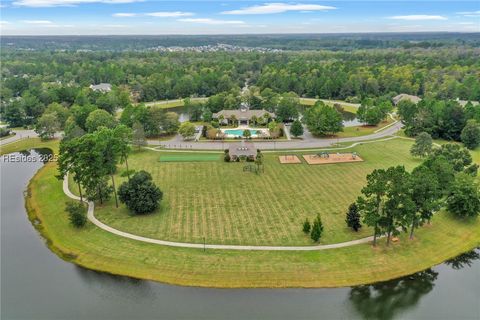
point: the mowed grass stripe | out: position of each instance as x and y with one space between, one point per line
220 202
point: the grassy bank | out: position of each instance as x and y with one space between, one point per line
99 250
29 143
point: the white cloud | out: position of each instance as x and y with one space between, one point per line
168 14
269 8
3 22
210 21
470 14
123 15
160 14
40 22
417 17
65 3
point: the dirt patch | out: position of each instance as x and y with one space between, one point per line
286 159
331 158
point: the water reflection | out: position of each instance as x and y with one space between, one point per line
388 299
464 260
131 288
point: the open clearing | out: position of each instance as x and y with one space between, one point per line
219 203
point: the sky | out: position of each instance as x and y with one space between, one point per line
156 17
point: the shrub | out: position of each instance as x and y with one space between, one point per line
353 217
227 157
76 212
317 229
140 194
306 226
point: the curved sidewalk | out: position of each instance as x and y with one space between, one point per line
101 225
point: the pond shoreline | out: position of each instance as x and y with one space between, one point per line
36 215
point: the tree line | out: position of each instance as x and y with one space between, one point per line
395 200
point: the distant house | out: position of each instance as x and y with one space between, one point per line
404 96
242 150
242 115
102 87
463 103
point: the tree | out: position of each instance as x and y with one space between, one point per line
297 129
99 118
459 157
187 130
463 199
140 194
72 130
76 214
138 138
306 226
287 108
123 137
471 134
386 201
317 229
61 112
47 125
247 134
426 193
101 192
353 217
371 115
423 145
109 146
323 120
170 123
207 115
274 129
398 204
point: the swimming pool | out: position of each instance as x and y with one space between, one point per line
239 132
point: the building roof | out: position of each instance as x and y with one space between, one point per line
242 149
463 103
404 96
242 114
105 87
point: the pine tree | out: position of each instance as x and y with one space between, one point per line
317 229
306 226
353 217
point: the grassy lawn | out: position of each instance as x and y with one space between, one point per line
362 130
188 157
99 250
311 102
29 143
168 104
221 203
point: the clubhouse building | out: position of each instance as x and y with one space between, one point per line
243 115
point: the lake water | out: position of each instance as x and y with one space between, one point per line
36 284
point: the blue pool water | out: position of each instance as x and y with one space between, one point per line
239 132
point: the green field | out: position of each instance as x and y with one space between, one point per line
189 157
96 249
221 203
